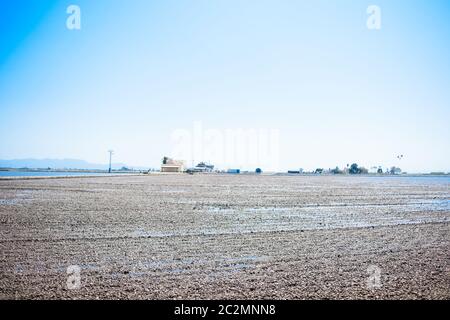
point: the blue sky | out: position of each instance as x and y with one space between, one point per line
137 70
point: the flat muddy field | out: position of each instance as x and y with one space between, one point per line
225 236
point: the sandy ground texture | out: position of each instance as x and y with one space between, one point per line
225 236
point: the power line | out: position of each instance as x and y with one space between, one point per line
111 152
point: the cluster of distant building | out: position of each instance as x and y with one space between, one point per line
352 169
177 166
170 165
174 166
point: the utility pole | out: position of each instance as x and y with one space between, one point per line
110 157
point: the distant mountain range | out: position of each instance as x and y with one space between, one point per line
59 164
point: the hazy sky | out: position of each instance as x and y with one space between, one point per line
137 71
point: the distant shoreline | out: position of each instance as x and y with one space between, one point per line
63 170
112 175
72 174
38 173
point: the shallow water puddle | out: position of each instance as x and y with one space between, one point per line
318 217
